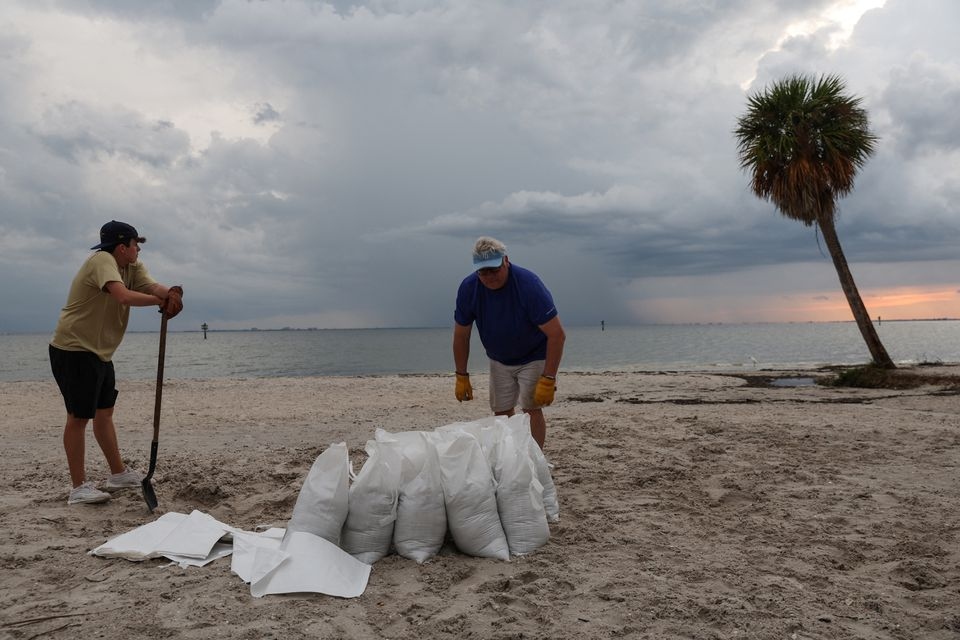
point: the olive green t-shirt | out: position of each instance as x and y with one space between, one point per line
92 319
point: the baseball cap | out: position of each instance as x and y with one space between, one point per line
115 232
488 253
487 260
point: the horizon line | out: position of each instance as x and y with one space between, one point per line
602 324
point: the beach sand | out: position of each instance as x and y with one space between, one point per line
693 505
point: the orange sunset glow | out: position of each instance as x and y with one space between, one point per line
895 303
898 303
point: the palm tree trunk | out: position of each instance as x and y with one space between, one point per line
867 330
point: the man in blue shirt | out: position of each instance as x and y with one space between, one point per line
520 331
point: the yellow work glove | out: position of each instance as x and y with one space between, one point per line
543 394
464 391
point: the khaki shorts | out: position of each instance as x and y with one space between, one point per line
510 383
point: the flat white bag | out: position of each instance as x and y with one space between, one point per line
307 564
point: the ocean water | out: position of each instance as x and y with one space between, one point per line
350 352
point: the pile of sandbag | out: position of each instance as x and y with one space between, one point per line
485 482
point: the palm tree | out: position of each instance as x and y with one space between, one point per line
802 141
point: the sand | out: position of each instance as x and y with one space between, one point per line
693 505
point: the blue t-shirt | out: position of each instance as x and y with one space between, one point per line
508 319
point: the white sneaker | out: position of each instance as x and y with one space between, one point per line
127 479
87 494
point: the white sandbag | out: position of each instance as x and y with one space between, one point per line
449 431
368 529
411 444
488 432
520 497
322 505
470 499
551 503
421 515
519 426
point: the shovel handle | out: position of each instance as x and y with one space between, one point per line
160 358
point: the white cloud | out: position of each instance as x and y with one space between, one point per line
149 67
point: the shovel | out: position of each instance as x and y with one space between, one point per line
148 493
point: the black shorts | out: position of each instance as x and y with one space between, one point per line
86 382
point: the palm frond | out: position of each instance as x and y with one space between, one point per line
803 140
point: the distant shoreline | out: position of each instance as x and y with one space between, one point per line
578 326
606 326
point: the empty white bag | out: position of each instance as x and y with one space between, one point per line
307 564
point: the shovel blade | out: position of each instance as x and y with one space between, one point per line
148 493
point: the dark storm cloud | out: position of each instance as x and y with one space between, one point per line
331 163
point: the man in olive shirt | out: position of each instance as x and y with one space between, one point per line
90 329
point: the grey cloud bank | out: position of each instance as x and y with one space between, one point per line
330 164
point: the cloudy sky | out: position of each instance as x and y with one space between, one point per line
329 164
